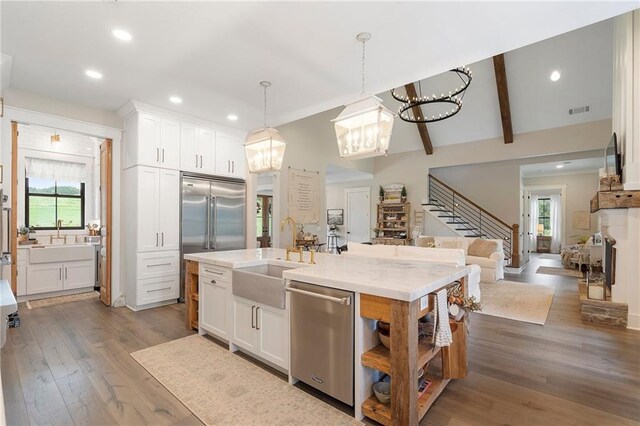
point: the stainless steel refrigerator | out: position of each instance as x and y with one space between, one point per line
212 216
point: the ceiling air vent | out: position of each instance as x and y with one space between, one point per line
579 110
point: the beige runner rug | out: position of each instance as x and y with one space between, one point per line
553 270
516 301
221 388
59 300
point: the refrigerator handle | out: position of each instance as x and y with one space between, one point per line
213 232
208 243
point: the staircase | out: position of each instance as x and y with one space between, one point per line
467 219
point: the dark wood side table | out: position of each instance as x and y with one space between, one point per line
543 244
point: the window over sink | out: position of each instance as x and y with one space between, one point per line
48 201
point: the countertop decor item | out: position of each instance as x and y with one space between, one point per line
265 147
383 392
409 105
363 128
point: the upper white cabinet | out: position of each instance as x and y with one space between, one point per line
197 149
230 157
151 140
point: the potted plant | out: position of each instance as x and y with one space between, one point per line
403 194
377 232
459 304
381 193
23 232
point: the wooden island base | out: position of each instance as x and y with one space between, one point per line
406 357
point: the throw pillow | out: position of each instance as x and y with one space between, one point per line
425 242
483 248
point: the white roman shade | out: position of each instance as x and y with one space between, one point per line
61 171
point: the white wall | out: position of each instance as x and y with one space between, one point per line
579 189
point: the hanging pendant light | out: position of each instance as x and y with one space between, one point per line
55 140
264 147
363 128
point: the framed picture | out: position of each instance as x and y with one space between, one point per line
335 217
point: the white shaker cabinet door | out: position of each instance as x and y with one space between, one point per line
189 156
79 274
170 144
244 317
147 205
169 210
206 150
214 313
148 140
238 158
223 154
44 277
271 326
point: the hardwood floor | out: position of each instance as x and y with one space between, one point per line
70 364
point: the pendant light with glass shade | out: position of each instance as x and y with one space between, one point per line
264 147
363 128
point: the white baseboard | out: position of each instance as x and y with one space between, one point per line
633 321
515 271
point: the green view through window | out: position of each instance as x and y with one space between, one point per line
544 215
48 201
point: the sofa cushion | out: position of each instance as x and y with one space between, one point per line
452 243
455 256
482 262
376 250
483 248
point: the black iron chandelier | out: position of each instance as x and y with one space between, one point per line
411 111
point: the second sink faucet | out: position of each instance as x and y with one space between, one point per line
292 248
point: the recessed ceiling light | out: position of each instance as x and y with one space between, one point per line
93 74
121 34
175 99
559 166
555 75
232 117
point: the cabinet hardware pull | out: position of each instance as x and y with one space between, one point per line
158 264
60 273
201 161
233 166
159 289
228 166
157 155
213 272
257 326
156 239
196 161
65 273
213 282
163 155
252 309
162 239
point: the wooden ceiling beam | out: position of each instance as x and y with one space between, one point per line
422 127
503 97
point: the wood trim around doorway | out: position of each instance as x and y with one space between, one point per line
106 197
13 245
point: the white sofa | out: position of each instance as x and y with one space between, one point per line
455 256
487 254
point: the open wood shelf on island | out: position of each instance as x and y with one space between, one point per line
379 358
381 413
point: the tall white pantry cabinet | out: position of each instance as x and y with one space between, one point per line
157 148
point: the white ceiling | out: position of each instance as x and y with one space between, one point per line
584 58
213 54
582 165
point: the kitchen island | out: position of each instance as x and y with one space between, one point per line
392 290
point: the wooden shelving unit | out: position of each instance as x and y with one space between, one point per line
191 294
394 219
406 357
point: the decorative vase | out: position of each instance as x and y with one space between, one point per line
403 199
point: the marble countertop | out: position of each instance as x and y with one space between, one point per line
394 278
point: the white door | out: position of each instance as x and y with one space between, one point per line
358 214
237 157
169 210
148 206
189 158
244 329
525 231
206 150
79 274
44 278
170 144
148 140
214 314
271 326
223 154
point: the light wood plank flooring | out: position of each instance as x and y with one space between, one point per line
70 364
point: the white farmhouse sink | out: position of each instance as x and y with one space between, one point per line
61 253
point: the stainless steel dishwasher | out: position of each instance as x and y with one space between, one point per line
322 339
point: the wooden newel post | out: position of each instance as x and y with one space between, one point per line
515 245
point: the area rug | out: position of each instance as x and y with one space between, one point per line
221 388
516 301
553 270
59 300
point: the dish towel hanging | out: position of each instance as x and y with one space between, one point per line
442 335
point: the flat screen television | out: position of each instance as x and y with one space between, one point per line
612 158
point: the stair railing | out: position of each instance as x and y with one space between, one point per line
468 217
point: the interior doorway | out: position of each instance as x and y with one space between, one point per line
358 214
264 220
